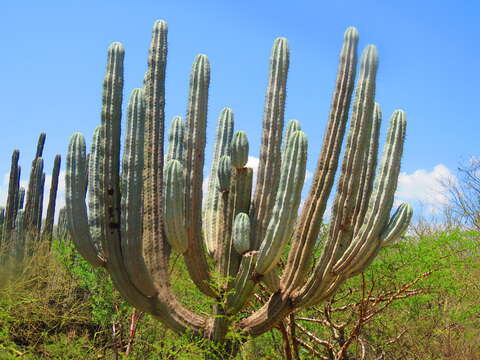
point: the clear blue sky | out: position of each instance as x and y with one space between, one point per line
53 59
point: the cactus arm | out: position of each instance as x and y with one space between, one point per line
96 197
195 258
239 149
235 201
397 225
131 200
286 205
40 196
76 209
341 230
40 145
48 230
292 126
241 233
381 201
224 135
111 206
176 140
21 195
175 210
269 162
32 206
9 219
167 309
368 172
154 242
310 220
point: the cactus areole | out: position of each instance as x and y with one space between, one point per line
151 205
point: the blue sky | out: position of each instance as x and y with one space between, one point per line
53 60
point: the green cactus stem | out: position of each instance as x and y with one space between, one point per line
52 199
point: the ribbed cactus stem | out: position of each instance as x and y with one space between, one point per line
211 215
176 140
310 220
195 156
292 176
224 173
61 230
270 159
19 236
21 198
40 203
292 126
381 201
239 149
95 165
241 233
10 210
75 178
397 225
20 194
33 196
40 145
175 206
131 200
52 199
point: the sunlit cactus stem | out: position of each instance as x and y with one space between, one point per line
52 198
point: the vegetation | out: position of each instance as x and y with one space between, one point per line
423 293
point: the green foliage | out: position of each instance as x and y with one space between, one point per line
59 307
106 305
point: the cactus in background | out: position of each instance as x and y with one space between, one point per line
21 198
35 191
10 208
39 202
52 198
61 230
20 222
244 233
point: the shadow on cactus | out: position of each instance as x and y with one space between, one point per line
139 211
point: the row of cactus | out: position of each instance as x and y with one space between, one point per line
22 216
140 211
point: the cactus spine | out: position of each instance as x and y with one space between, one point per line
245 234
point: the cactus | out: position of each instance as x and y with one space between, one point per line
21 198
10 208
23 223
222 147
48 229
244 233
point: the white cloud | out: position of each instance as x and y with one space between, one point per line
426 188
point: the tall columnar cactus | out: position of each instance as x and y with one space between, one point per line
33 196
244 233
10 209
52 198
21 198
210 217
